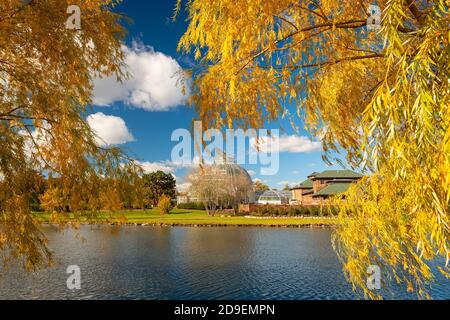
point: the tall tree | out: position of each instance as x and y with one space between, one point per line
238 190
381 95
259 186
46 73
157 184
209 184
218 189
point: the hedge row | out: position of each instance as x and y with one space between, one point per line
274 211
191 206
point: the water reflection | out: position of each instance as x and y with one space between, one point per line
189 263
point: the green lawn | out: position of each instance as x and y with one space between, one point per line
195 217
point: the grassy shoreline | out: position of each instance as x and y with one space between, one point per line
185 217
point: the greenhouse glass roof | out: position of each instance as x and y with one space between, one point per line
273 195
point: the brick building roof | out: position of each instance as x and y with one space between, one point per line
307 184
337 174
333 189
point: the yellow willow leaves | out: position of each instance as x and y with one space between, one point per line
383 96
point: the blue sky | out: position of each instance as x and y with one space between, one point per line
141 115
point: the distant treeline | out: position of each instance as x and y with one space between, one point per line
60 194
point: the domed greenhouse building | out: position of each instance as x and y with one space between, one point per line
225 183
238 178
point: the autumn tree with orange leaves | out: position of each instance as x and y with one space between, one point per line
46 73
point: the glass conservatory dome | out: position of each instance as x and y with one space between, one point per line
235 172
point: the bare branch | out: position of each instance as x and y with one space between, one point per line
325 63
418 15
351 24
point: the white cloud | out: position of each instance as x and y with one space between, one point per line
148 167
287 143
295 172
285 182
109 129
166 166
154 84
195 162
183 187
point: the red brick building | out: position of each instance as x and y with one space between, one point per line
320 186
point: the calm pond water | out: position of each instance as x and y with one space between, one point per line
190 263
